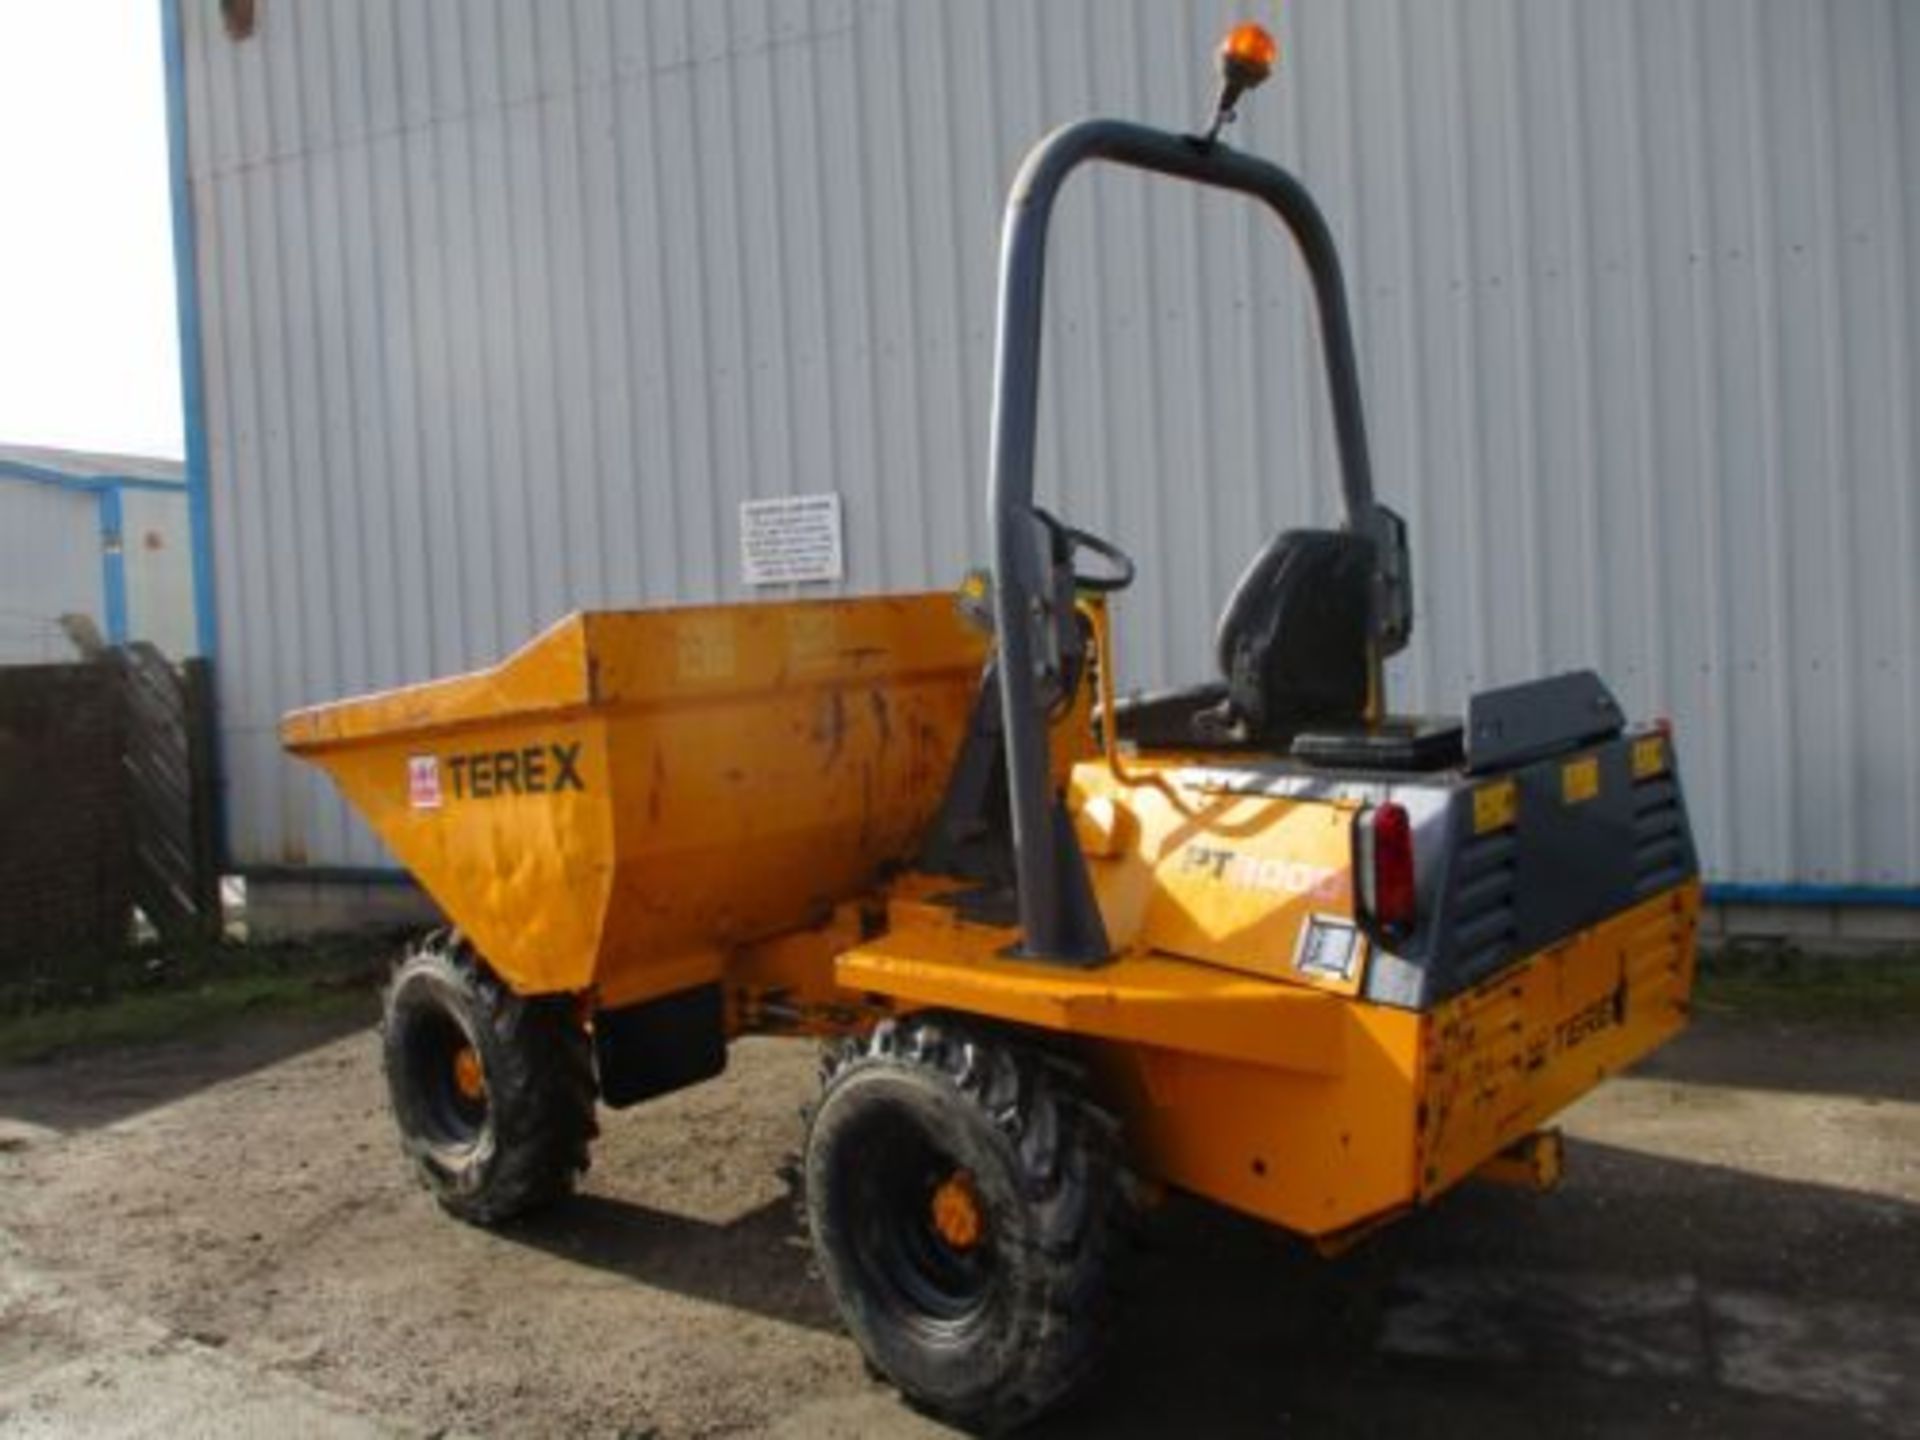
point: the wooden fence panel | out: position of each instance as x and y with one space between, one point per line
167 758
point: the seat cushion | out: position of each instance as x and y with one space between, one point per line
1169 719
1409 742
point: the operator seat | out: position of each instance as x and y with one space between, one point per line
1291 644
1292 638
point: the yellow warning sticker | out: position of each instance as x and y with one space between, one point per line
1495 807
1580 780
1649 757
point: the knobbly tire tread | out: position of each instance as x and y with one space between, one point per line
538 1063
1067 1155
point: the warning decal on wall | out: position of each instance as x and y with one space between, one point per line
791 540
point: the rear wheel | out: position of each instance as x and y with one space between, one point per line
493 1092
963 1197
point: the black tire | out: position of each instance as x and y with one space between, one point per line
519 1143
986 1334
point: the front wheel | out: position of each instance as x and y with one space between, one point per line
493 1092
963 1197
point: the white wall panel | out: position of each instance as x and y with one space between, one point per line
156 547
49 567
507 307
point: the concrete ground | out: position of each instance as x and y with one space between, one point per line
219 1239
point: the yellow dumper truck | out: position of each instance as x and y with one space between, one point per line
1261 939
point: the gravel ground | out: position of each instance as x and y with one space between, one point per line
219 1237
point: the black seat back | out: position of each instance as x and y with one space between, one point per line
1292 640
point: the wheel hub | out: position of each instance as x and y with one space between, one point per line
957 1216
468 1078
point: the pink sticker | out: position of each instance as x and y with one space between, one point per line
423 782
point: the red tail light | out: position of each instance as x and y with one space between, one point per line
1386 867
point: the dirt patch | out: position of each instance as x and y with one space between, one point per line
1737 1250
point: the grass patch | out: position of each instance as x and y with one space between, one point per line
1783 982
147 994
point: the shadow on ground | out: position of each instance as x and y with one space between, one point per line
1874 1063
758 1262
85 1089
1650 1296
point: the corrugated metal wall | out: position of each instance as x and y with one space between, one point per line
507 307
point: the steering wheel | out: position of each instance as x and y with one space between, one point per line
1068 538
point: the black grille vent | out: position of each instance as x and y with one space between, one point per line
1660 857
1485 928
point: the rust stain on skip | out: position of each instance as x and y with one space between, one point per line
656 790
866 805
830 727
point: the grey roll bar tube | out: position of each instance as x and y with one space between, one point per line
1050 925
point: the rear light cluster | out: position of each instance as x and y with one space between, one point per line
1383 852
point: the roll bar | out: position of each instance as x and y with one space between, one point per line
1050 923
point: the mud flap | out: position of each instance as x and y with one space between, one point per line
659 1046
